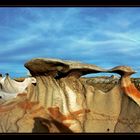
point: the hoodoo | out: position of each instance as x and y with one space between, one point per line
64 102
127 86
60 68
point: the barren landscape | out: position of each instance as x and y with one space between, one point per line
55 98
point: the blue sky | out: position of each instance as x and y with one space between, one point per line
104 36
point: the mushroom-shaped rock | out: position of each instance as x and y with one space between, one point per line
122 70
42 66
60 68
128 87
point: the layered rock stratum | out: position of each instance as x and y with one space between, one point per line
62 101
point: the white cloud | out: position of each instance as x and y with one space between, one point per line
73 33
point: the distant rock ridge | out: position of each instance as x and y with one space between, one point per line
62 101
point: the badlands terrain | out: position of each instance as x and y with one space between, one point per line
56 98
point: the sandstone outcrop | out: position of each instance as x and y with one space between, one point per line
127 86
59 68
64 102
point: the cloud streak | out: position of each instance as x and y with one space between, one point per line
103 36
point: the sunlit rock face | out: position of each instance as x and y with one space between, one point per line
62 92
21 115
64 102
9 88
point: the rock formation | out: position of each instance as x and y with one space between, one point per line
11 88
127 86
64 102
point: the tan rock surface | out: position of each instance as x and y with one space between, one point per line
68 103
60 68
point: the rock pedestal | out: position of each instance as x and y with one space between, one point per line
62 101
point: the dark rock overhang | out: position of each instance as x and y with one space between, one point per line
122 70
60 68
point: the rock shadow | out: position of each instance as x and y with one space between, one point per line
42 125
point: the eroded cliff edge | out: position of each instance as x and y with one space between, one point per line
63 101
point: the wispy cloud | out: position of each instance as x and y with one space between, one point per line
103 36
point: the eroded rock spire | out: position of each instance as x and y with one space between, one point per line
126 84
